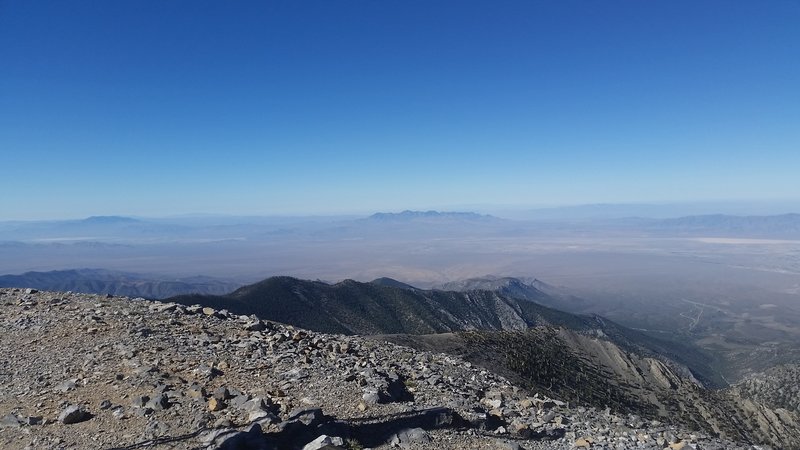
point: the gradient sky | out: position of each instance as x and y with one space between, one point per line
168 107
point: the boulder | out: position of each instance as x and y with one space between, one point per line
73 414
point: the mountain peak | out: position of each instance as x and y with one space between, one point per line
391 282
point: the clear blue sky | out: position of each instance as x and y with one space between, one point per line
166 107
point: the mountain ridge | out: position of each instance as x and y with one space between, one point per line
101 281
410 215
352 307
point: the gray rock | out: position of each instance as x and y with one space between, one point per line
10 421
159 402
66 386
194 309
118 413
410 436
295 374
254 404
255 326
239 401
207 372
73 414
232 439
371 398
301 420
156 428
140 401
324 442
196 391
494 403
33 420
163 307
235 392
146 411
221 393
510 446
264 417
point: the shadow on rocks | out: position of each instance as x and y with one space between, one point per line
163 440
375 431
305 425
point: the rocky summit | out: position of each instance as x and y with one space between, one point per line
99 372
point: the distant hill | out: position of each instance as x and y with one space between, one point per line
384 281
109 220
98 281
428 216
351 307
531 290
94 228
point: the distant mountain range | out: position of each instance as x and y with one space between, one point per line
532 290
109 220
429 215
91 228
97 281
601 211
385 226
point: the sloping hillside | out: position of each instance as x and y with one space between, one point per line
98 281
592 371
350 307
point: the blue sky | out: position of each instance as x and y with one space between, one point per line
296 107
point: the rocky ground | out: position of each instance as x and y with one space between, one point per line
91 372
777 387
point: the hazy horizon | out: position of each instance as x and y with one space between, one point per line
516 212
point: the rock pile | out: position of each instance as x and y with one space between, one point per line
87 371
